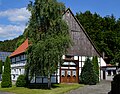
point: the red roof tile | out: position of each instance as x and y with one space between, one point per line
22 48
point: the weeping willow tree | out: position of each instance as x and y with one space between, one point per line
49 38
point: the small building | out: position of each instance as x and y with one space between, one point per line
108 72
18 60
74 60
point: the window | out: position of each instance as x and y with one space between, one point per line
66 63
13 76
74 73
109 72
62 73
20 71
13 60
23 57
68 14
72 63
68 73
18 58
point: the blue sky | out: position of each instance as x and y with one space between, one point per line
14 16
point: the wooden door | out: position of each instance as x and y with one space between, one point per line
69 76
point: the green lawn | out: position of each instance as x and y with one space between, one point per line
60 89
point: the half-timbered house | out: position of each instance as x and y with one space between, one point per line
70 70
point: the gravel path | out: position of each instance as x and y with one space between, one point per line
102 88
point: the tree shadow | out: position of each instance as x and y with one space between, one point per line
41 86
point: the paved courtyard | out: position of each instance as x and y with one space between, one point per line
102 88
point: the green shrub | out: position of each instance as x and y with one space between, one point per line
21 82
6 76
88 75
96 67
1 66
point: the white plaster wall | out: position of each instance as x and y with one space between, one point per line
63 57
102 62
83 58
79 71
101 73
75 57
79 58
79 64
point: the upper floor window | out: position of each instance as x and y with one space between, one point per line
13 60
23 57
18 58
109 72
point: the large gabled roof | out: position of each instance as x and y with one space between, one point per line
22 48
84 31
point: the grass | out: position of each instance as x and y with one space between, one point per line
60 89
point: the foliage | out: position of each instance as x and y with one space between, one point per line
104 32
9 45
88 75
6 76
96 66
1 63
49 36
21 81
21 39
115 85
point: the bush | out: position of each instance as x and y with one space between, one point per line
21 82
88 75
115 85
6 76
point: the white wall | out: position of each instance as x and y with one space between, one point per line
102 62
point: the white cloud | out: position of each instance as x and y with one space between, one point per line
16 15
16 23
10 31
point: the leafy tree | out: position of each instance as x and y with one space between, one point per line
88 75
115 85
6 76
49 36
1 63
104 32
96 66
9 45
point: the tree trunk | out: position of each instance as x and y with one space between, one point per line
49 81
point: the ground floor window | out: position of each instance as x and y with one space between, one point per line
109 72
